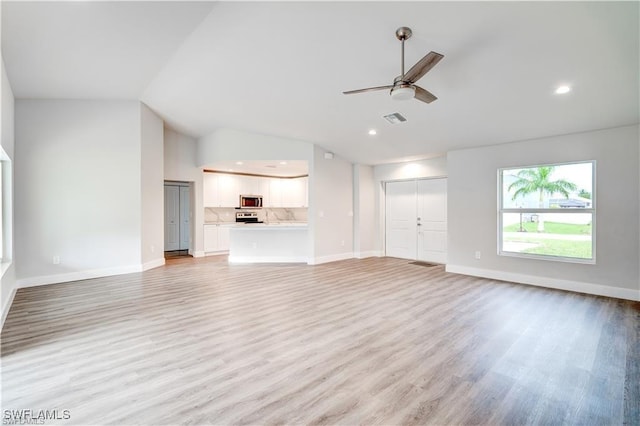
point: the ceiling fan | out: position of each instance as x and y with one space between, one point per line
404 86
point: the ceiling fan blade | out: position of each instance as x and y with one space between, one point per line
422 67
369 89
424 95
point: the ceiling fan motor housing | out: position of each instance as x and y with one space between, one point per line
403 33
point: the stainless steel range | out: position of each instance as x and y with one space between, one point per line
247 217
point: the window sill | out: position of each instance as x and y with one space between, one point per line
4 267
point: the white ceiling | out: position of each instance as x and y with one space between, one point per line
279 68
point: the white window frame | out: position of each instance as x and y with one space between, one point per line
6 216
591 210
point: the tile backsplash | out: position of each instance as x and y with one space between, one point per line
228 215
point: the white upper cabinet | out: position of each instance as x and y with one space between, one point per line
294 192
264 189
210 187
224 190
250 185
229 190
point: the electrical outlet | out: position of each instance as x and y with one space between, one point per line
153 248
255 245
56 260
342 243
477 254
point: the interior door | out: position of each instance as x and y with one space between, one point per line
401 229
171 218
185 218
432 220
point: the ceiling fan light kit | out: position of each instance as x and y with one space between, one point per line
403 93
404 86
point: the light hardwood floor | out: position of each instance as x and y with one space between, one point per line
373 341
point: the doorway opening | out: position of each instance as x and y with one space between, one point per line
177 219
416 220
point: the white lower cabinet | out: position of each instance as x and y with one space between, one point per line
216 238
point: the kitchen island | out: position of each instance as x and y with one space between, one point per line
269 243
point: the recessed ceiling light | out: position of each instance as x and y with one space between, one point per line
373 132
561 90
284 163
239 163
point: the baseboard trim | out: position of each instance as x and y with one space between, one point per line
559 284
153 264
330 258
214 253
198 254
77 276
266 259
365 254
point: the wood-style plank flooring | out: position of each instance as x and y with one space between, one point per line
373 341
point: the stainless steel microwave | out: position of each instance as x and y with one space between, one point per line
250 201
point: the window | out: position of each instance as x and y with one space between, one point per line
2 207
548 212
5 211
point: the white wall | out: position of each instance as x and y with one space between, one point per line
180 154
331 208
8 276
365 212
433 167
472 212
152 188
228 144
77 189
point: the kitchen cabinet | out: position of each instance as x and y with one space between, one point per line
264 189
210 238
249 185
275 192
210 188
228 190
223 190
216 237
294 192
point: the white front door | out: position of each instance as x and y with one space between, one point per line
432 220
171 218
416 220
401 237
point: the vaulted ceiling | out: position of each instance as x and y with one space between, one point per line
279 68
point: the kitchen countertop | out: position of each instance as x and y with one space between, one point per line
263 225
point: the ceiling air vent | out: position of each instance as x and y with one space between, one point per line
395 118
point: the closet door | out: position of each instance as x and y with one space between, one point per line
171 218
185 218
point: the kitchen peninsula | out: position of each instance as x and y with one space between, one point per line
269 243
